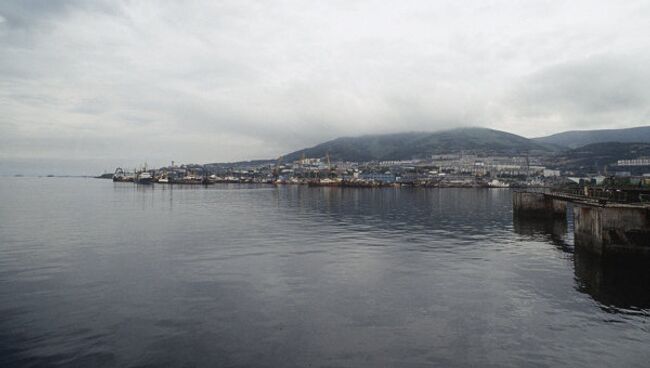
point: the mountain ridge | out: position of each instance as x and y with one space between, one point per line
421 144
410 145
595 157
578 138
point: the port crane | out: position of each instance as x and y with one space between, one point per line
329 166
277 167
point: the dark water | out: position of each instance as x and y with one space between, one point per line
94 274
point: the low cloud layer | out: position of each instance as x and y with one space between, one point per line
90 85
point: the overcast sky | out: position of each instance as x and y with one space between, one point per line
90 85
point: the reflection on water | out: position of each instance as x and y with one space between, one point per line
554 230
620 283
94 274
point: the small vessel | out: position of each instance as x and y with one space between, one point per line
326 182
144 177
213 179
163 178
192 179
121 176
498 184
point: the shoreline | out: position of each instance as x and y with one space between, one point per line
383 186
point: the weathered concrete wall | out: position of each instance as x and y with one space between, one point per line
537 205
614 229
599 229
626 229
559 207
588 228
533 204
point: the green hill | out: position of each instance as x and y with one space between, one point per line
594 157
578 138
405 146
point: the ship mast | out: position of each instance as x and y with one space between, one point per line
277 167
329 165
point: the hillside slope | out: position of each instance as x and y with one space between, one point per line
594 157
404 146
578 138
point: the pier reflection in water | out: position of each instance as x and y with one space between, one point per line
618 283
555 230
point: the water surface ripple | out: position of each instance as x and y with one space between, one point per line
102 274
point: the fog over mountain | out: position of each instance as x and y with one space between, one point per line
418 145
578 138
87 86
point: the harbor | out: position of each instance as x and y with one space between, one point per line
609 218
451 170
440 171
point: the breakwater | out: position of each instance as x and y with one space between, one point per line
600 226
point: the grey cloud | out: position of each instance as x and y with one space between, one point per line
207 81
598 91
28 13
22 14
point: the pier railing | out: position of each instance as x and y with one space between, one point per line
601 195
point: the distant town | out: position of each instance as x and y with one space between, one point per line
447 170
467 157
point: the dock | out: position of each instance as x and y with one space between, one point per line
613 221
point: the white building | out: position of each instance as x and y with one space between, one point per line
551 173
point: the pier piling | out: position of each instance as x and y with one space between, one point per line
612 228
599 227
538 204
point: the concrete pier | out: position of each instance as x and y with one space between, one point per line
599 227
558 206
612 228
530 203
538 204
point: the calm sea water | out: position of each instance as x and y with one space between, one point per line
95 273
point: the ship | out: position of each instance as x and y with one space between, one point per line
164 179
498 184
326 182
121 176
144 177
